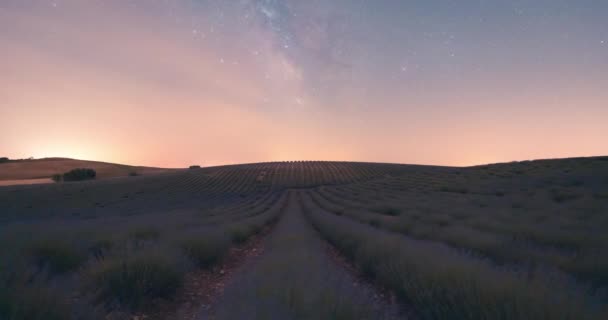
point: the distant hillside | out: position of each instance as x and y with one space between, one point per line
46 167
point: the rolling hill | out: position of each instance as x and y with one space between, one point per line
47 167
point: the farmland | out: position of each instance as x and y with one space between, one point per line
334 240
38 171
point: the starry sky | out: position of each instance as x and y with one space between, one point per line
171 83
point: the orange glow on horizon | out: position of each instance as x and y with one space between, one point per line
105 81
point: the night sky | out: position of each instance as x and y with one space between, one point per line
170 83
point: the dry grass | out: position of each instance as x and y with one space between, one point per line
46 168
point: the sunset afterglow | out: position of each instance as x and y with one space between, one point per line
170 83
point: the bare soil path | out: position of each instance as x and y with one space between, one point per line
202 288
299 277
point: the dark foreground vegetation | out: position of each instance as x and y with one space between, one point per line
520 240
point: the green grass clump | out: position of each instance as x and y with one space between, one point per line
132 282
57 256
205 251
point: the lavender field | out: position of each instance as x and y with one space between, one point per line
312 240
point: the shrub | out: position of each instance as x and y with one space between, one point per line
79 174
133 174
4 159
56 255
133 282
195 167
57 177
205 251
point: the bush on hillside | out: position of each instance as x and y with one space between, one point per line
4 159
195 167
79 174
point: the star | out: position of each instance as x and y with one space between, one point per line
267 11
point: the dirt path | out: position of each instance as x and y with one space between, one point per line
202 288
299 277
